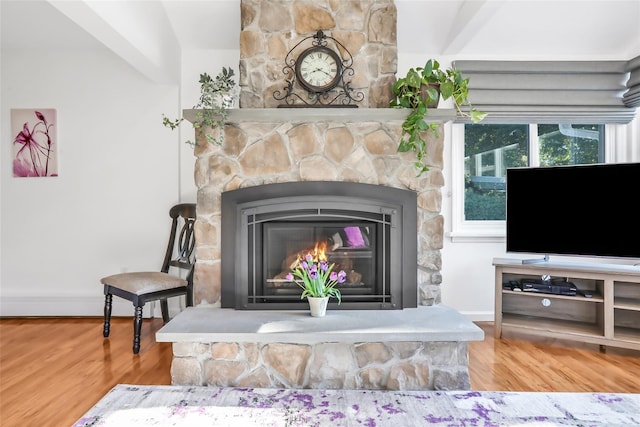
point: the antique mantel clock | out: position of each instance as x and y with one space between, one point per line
318 71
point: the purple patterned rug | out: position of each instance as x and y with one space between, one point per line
129 405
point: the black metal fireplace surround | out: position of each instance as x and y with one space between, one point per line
369 231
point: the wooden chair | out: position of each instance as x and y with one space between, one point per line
142 287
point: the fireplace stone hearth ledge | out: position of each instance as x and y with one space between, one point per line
424 348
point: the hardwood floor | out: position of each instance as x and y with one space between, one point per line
526 363
53 370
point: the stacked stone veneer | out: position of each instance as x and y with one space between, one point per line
272 28
372 365
256 153
288 149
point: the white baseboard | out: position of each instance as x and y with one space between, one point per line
93 306
479 316
87 306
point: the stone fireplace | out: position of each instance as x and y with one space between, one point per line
420 347
395 337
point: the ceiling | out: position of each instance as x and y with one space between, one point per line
464 29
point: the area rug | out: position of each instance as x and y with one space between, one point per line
129 405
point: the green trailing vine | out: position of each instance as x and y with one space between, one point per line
216 97
418 90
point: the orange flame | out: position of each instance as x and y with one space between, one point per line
318 252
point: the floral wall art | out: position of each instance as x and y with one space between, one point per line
35 146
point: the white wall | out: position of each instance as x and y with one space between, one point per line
107 211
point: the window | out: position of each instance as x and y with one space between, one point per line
483 152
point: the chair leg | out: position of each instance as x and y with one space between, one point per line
107 315
164 306
189 298
137 327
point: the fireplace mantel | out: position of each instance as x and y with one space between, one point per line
237 115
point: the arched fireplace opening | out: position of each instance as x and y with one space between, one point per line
369 231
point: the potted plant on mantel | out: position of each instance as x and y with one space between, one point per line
216 97
318 281
420 90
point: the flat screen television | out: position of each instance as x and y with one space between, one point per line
581 210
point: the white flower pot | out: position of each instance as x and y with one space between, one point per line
318 306
223 99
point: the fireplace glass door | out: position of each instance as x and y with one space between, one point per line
358 246
350 246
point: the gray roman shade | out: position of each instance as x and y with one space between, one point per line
631 97
549 91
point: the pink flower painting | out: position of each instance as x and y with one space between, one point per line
35 146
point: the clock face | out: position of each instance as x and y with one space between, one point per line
318 69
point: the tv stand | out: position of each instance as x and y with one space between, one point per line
609 316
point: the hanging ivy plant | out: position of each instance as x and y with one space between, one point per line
420 90
216 97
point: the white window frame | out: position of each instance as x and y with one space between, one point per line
494 231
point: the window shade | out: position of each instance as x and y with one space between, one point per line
631 97
548 91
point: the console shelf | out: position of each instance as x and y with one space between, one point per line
627 304
609 317
594 299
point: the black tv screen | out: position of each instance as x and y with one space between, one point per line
585 210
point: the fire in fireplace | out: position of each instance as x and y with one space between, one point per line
369 231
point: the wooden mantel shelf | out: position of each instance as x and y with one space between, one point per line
236 115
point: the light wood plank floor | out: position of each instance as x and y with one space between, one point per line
53 370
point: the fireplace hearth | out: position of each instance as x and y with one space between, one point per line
369 231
